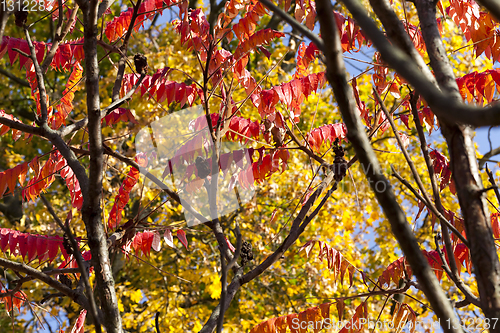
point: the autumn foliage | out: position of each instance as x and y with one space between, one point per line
313 244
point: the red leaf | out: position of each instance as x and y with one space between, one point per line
53 248
13 241
23 244
404 119
324 133
261 37
11 179
137 242
4 239
41 248
147 242
32 247
16 300
117 115
122 198
461 254
231 247
3 183
182 237
79 324
495 224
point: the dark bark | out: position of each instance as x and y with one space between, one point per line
91 211
465 172
337 78
396 32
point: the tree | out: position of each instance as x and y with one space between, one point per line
223 131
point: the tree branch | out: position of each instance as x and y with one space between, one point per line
123 51
79 259
224 270
14 78
465 171
48 132
435 189
298 226
487 156
469 296
294 23
492 182
440 102
91 210
60 35
21 127
39 77
416 176
396 32
42 276
336 75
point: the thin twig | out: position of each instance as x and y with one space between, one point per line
39 76
432 208
416 176
294 23
224 270
469 296
79 259
492 182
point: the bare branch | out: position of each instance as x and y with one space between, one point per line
336 75
469 296
42 276
492 182
487 156
14 78
440 102
465 173
79 259
39 76
91 210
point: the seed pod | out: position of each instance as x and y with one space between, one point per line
65 280
339 163
278 136
246 253
21 18
202 167
141 63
